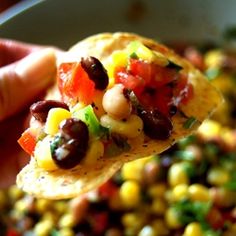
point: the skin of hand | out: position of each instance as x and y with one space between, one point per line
26 71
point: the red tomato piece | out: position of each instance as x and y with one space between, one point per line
74 83
135 83
215 218
107 190
27 141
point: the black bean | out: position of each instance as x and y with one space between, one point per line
73 128
70 147
95 71
39 110
156 124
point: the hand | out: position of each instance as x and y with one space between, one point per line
26 70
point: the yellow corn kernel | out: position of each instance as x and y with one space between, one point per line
193 229
198 192
130 194
42 205
14 193
67 220
66 232
160 226
130 128
158 206
132 220
94 152
43 155
133 170
172 219
218 176
177 175
117 59
214 58
180 192
157 190
209 129
43 228
55 116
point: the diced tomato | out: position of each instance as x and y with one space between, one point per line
184 90
27 141
155 86
107 190
74 83
215 218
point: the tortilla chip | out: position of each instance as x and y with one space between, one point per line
59 184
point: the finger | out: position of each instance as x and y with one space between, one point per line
23 81
11 51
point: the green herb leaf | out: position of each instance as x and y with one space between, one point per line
133 55
192 211
188 124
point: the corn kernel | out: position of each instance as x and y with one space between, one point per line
15 193
209 129
130 193
130 128
66 232
133 170
158 206
43 228
43 155
55 116
130 220
218 176
214 58
42 205
160 226
172 219
157 190
180 192
198 192
193 229
66 221
94 152
177 175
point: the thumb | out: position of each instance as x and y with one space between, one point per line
24 80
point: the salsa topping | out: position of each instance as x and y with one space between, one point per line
138 93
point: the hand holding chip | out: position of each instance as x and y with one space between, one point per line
26 70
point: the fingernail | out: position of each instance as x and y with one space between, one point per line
38 68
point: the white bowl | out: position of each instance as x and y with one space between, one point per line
63 23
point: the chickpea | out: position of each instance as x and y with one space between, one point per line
116 104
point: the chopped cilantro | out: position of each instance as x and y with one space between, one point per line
185 155
192 211
133 55
231 185
55 143
189 122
